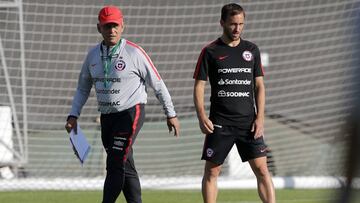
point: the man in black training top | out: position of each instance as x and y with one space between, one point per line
233 67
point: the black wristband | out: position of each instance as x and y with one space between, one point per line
71 116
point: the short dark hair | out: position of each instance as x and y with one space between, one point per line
231 10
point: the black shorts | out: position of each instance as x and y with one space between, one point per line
218 144
119 130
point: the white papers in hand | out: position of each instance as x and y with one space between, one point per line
80 145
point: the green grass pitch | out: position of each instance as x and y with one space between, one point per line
170 196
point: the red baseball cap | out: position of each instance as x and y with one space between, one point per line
110 14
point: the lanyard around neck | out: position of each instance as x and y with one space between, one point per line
106 60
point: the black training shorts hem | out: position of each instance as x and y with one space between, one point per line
213 161
254 157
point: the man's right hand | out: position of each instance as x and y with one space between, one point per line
206 125
71 123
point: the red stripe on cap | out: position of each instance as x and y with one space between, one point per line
146 56
134 128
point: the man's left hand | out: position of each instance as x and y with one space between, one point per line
258 128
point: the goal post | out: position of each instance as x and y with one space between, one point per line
6 143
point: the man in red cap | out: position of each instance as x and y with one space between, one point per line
120 71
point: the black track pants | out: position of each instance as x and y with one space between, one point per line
118 134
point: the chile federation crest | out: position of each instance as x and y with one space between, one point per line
120 65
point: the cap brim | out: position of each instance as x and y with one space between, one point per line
119 22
